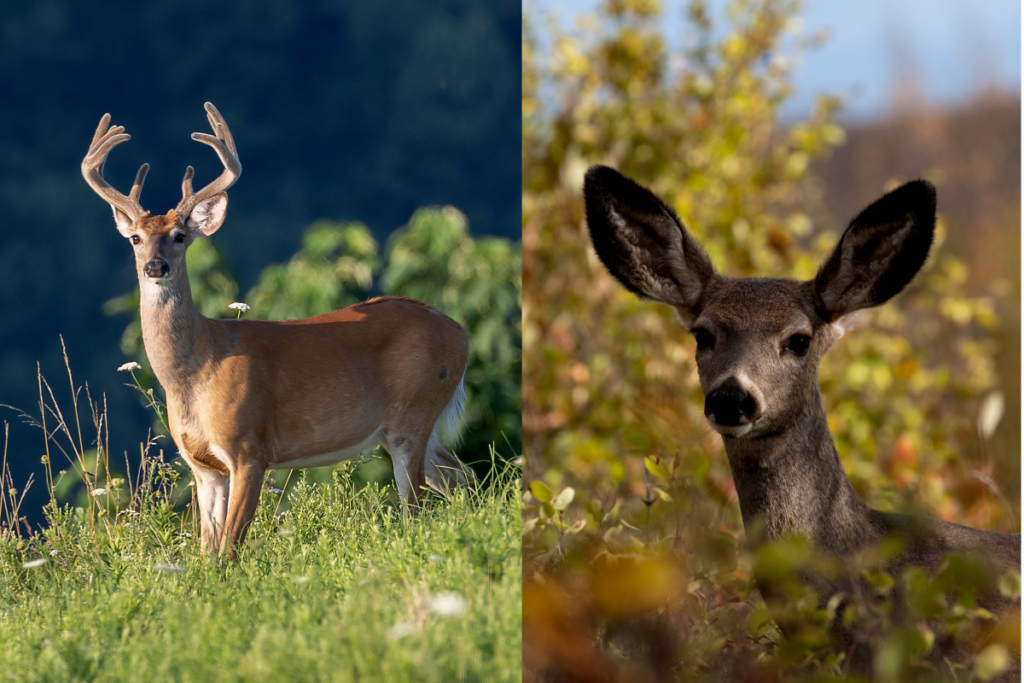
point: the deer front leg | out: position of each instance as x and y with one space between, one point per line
212 491
246 481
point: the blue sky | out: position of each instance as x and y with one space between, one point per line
956 47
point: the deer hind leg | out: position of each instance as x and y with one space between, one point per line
407 447
212 490
443 470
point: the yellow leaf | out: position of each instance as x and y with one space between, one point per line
656 466
540 491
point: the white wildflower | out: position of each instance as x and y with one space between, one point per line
170 568
32 564
448 604
239 306
401 630
99 492
128 367
53 553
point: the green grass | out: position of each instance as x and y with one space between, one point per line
340 587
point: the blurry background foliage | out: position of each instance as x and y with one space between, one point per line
913 395
432 259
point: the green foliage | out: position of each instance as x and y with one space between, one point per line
433 259
612 401
334 268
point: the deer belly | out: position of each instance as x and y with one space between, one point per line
319 458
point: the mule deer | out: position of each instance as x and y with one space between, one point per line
245 396
759 342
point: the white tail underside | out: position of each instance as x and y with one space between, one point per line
450 421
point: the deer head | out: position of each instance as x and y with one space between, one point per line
160 242
759 340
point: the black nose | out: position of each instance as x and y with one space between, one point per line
730 405
156 267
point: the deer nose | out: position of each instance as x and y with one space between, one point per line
156 267
730 405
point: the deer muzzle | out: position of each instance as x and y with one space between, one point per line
156 268
730 405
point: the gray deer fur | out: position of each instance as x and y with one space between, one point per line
759 343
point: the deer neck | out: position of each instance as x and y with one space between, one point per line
177 337
791 482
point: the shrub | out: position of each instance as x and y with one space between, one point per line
610 382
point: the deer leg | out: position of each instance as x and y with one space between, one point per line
443 470
212 491
246 481
408 453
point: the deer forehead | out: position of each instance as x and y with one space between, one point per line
159 225
765 305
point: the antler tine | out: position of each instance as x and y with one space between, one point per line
224 145
220 127
104 140
140 179
100 129
186 183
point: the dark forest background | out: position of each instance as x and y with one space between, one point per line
359 111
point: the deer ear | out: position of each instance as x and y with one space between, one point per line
643 244
880 252
123 223
208 215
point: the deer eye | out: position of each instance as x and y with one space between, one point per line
179 238
135 239
798 344
705 339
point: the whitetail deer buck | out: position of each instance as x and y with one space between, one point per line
759 343
245 396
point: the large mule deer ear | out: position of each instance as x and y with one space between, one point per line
643 243
209 215
880 252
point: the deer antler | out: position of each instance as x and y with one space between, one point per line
103 141
224 145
